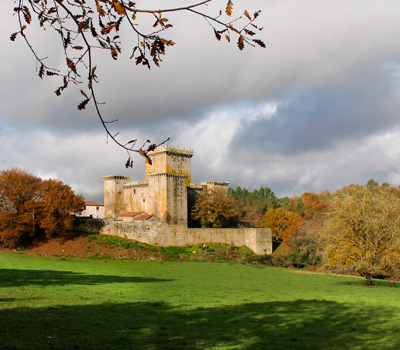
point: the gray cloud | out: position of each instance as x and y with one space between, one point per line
316 119
309 112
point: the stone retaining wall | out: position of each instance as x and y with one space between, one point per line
259 240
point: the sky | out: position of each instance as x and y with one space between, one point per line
318 109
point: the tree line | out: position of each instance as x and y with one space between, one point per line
355 229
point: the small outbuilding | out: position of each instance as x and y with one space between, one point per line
137 216
93 210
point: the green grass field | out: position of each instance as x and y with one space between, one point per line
46 303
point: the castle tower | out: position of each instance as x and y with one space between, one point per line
168 177
170 160
114 195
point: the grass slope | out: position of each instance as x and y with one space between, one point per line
47 303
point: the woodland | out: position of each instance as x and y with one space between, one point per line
355 229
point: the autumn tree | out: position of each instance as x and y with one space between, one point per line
85 26
283 224
18 193
31 207
363 232
56 202
307 247
249 217
214 209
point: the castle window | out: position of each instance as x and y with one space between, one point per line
144 200
134 191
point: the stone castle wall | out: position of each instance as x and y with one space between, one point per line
259 240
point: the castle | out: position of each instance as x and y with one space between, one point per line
157 211
167 192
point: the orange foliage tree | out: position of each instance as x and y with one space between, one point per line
31 207
283 224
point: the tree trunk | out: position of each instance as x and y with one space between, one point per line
368 280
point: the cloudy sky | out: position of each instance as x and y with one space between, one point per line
318 109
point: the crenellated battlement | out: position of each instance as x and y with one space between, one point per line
215 183
172 150
115 177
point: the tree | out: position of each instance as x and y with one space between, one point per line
363 232
31 207
87 25
307 247
57 203
18 192
214 209
283 224
250 217
372 183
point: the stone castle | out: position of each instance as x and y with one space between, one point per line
167 192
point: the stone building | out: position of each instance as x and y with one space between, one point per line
92 209
166 193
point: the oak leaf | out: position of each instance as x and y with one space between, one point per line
83 104
217 35
259 42
13 36
229 8
71 65
119 8
41 71
240 43
100 10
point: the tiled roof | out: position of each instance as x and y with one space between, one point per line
95 204
144 217
131 213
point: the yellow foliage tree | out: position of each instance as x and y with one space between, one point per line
363 232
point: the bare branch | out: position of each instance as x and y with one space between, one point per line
83 28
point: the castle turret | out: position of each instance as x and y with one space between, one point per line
114 195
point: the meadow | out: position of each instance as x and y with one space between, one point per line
53 303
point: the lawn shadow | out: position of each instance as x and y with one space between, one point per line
301 324
18 278
375 283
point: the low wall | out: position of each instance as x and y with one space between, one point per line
259 240
88 225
